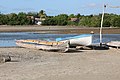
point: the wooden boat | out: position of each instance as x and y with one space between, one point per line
43 45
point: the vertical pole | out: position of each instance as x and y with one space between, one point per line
102 25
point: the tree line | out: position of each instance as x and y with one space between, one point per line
110 20
14 19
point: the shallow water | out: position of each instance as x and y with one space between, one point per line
8 39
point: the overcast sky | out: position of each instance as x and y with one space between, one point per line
55 7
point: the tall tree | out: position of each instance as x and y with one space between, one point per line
42 14
78 15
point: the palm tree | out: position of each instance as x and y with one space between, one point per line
42 14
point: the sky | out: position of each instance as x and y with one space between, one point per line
55 7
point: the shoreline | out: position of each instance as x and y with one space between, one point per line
58 29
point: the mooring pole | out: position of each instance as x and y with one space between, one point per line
102 25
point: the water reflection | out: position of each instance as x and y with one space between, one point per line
8 39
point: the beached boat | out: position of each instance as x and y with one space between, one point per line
61 44
80 40
114 44
43 45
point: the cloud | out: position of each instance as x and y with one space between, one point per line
52 11
92 5
23 9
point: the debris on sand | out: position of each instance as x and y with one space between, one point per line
5 58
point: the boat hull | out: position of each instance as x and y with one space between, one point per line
114 44
61 47
79 41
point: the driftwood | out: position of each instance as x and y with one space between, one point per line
5 58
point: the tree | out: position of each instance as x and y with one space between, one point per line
3 19
49 21
62 19
95 21
85 21
57 20
13 19
107 19
23 20
78 15
116 21
42 14
72 23
35 14
71 16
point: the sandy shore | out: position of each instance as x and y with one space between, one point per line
58 29
29 64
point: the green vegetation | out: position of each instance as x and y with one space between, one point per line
110 20
57 20
15 19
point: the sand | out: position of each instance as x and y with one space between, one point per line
30 64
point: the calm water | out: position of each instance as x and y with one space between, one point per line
8 39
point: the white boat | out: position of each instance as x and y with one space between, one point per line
80 40
114 44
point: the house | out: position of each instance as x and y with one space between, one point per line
74 19
36 20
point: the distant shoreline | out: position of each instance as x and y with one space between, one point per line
58 29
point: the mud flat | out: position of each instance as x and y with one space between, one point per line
58 29
29 64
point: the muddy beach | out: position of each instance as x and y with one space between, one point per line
30 64
58 29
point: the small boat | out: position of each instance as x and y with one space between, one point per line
43 45
61 44
114 44
80 40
